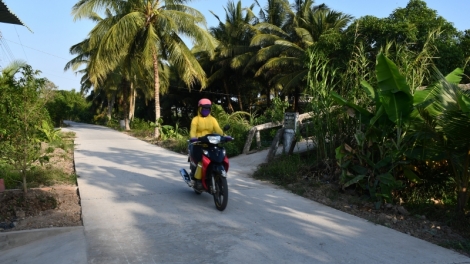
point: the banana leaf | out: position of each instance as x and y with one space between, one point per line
424 96
380 112
354 180
393 90
384 162
410 175
464 102
364 115
455 76
371 92
388 179
360 169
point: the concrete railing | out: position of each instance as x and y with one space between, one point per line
255 131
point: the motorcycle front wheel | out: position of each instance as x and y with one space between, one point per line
221 192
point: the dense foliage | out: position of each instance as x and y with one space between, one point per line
25 122
384 121
290 56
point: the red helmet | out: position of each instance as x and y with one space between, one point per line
204 102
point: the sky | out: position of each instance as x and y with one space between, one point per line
54 31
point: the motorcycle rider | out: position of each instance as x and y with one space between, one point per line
202 124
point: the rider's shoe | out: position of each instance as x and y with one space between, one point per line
191 175
198 184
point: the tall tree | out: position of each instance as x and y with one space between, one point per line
426 20
85 55
234 49
23 97
150 32
411 26
284 49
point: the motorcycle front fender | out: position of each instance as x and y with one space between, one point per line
220 170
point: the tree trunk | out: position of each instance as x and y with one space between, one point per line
229 103
296 99
463 191
268 97
111 100
240 99
25 186
157 93
462 199
125 102
132 102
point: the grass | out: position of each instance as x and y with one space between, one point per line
36 177
42 175
283 171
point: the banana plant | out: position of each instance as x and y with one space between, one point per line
48 133
377 156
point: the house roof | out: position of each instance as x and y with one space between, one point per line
6 16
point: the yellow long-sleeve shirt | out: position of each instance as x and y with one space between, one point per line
201 126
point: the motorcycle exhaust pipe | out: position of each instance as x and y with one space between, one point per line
186 178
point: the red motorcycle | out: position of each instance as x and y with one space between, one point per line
214 167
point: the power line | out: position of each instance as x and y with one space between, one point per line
203 91
21 44
36 49
177 87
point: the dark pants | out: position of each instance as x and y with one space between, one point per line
195 152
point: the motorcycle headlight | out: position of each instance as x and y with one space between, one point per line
214 139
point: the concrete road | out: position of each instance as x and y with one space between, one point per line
137 209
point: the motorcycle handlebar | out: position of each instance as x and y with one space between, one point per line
196 140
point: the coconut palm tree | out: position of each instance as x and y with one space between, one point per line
148 33
442 129
85 53
284 47
234 49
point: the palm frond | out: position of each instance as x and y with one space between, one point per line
290 63
292 80
264 40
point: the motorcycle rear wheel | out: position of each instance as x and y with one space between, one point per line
221 192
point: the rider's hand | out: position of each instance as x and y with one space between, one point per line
193 139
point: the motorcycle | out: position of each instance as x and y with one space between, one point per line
214 167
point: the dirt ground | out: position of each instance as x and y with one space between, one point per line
59 206
54 206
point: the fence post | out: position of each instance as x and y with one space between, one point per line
272 151
251 133
291 121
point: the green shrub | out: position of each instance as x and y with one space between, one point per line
177 145
232 149
114 124
23 116
140 124
239 127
